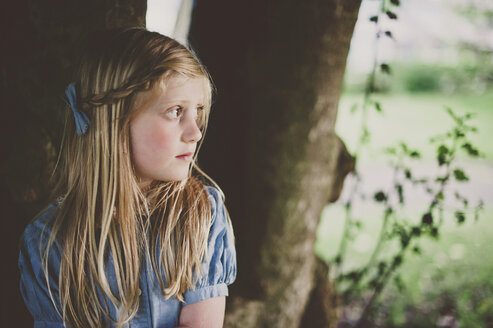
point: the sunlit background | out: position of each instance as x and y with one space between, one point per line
161 15
441 55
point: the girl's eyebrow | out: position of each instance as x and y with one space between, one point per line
174 101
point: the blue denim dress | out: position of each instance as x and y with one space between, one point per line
154 310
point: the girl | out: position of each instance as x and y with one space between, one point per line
136 238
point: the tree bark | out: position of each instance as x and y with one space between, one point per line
278 67
40 45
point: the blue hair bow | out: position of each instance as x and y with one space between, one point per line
81 120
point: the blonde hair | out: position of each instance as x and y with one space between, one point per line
103 210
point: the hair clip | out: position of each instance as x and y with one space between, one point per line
81 120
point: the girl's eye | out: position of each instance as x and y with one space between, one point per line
199 115
199 110
174 113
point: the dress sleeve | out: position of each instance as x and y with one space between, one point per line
33 285
220 264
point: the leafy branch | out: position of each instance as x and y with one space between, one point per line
368 281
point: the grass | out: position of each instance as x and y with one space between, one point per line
452 275
458 265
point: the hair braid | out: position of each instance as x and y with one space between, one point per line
109 97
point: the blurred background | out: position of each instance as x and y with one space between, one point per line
441 55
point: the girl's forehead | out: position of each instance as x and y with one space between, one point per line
179 81
178 87
175 88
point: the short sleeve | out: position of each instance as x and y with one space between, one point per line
220 264
33 285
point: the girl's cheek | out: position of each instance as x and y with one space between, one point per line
160 136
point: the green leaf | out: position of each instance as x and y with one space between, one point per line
365 136
399 283
459 133
407 172
381 267
434 232
415 154
427 219
404 240
470 149
390 150
478 209
397 260
452 114
391 14
442 152
380 196
395 2
460 175
338 259
403 146
385 68
354 108
354 275
389 210
389 34
374 19
417 250
416 231
442 149
400 193
461 218
378 107
442 179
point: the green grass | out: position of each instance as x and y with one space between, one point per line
458 265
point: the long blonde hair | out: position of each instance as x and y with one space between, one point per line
103 211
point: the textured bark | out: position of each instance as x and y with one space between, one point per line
324 303
278 66
39 44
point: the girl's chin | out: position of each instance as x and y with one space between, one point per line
178 176
175 178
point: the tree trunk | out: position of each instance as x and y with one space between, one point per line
278 67
40 43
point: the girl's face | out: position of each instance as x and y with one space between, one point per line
164 132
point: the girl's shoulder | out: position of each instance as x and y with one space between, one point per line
220 262
212 191
216 199
41 224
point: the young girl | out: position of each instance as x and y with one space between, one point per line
135 239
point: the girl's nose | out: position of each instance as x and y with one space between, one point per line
192 132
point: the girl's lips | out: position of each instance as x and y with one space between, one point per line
186 156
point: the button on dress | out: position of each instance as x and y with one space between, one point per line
154 310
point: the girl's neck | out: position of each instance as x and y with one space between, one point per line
144 185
